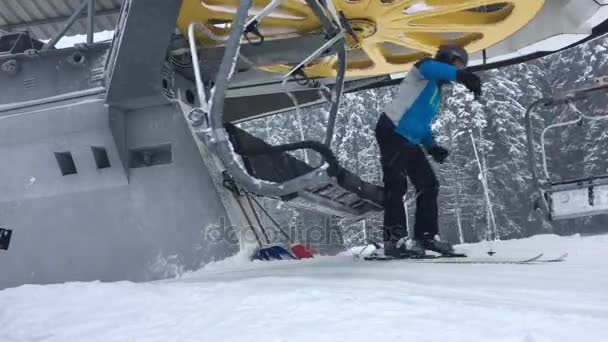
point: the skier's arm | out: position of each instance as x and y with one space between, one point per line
436 71
438 153
428 140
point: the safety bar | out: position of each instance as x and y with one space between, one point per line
543 145
579 120
194 52
339 33
324 151
568 99
338 87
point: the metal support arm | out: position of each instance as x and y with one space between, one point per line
337 94
90 21
75 16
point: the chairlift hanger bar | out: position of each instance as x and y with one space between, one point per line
217 136
202 98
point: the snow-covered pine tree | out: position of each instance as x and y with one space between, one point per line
498 125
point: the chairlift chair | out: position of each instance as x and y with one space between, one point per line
572 198
327 188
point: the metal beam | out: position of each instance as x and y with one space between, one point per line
67 25
134 71
90 21
57 20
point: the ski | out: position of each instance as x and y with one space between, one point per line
457 259
558 259
387 258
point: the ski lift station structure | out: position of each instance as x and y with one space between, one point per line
122 159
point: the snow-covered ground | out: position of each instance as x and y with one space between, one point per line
334 299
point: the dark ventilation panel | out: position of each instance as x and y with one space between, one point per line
5 238
66 163
101 157
151 156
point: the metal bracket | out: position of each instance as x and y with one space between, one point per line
229 183
198 118
254 29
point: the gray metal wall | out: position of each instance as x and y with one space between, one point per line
120 222
109 224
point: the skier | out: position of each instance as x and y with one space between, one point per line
402 131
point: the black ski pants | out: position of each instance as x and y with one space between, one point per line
401 160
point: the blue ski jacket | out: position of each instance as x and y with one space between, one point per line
418 99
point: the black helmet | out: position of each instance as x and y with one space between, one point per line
448 52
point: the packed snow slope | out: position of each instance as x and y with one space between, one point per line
335 299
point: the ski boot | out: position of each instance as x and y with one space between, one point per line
403 248
434 244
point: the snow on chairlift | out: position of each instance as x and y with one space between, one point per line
575 197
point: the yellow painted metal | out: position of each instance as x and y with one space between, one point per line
291 18
393 34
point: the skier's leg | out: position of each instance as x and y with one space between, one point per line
426 228
394 213
395 182
423 177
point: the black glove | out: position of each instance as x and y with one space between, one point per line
438 153
470 80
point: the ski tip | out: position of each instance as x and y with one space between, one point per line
558 259
540 255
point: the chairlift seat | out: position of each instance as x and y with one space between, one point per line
577 198
344 195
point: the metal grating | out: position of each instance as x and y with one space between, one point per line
45 18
